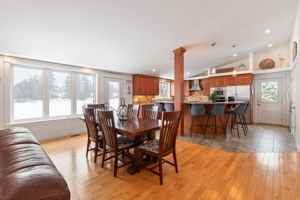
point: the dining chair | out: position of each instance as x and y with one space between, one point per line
112 142
94 135
133 111
165 145
150 112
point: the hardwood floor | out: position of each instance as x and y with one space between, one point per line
204 173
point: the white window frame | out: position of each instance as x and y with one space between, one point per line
169 89
45 81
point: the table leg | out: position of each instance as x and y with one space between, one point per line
132 169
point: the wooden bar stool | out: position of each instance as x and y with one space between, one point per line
197 110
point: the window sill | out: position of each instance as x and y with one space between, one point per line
48 120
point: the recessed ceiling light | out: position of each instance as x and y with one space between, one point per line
267 31
270 45
154 70
234 55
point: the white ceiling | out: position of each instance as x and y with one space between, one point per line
134 36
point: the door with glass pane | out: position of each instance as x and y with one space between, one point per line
113 92
269 101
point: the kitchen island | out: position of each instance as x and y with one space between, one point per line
202 120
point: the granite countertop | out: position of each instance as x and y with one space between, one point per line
209 102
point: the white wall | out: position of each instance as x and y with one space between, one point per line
295 82
273 53
49 129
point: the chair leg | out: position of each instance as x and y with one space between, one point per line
116 164
87 147
222 125
95 152
103 156
191 129
215 125
206 126
245 122
227 119
243 125
236 125
160 171
175 160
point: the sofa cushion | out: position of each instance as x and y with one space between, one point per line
26 172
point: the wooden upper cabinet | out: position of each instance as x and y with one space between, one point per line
145 85
244 79
219 81
206 86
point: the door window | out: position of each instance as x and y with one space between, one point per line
269 91
114 94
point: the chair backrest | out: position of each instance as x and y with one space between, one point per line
90 121
168 131
133 111
169 107
197 110
218 109
150 112
160 106
247 108
101 106
108 128
240 110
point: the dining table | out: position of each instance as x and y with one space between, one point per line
135 129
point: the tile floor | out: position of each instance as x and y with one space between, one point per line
260 138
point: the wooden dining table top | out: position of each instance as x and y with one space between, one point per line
135 127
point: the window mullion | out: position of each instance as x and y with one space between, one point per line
74 94
46 73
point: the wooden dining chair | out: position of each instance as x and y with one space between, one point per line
133 111
165 145
94 135
111 141
101 106
150 112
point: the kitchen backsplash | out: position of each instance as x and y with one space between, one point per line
143 99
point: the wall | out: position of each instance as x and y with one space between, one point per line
295 83
273 53
49 129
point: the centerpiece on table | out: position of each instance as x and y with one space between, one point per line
122 111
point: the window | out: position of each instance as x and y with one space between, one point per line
60 93
164 89
27 93
85 91
40 93
269 91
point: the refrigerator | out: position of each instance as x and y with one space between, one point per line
240 93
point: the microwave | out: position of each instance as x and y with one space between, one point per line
221 91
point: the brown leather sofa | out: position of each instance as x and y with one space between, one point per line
26 172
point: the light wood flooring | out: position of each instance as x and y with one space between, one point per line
204 173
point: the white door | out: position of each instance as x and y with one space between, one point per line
269 101
113 92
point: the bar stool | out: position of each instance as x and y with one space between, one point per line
237 114
244 117
169 107
159 105
217 111
197 110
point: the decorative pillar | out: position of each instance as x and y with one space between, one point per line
179 85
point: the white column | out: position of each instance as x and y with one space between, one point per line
251 67
2 91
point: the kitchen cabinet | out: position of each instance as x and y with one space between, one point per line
145 85
244 79
206 86
219 81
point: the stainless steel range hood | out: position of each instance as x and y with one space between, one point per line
196 86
